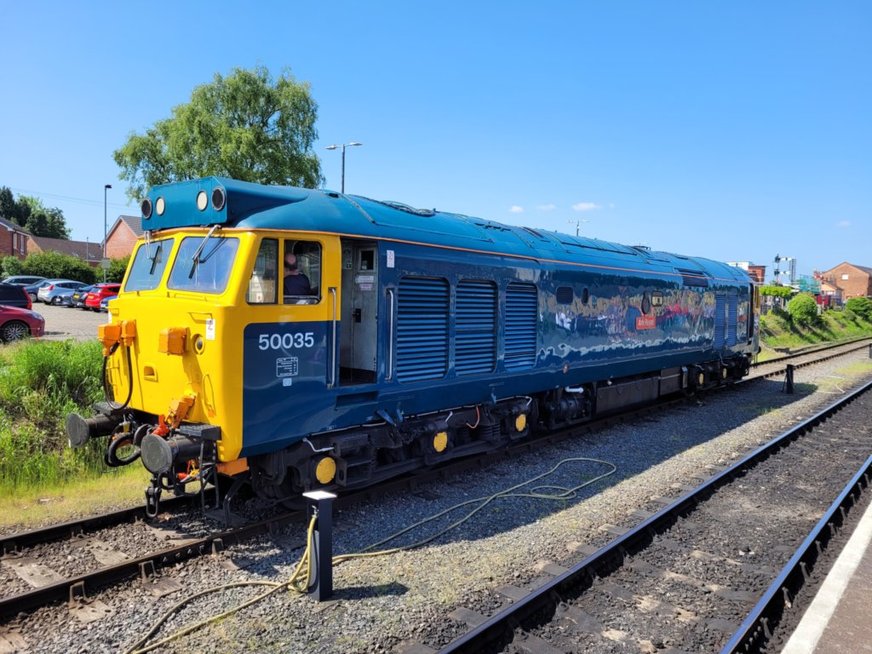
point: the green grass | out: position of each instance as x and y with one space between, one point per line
40 382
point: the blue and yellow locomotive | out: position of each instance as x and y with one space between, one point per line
311 339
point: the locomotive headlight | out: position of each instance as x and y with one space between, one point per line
160 205
145 207
202 200
218 198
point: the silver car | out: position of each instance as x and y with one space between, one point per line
56 289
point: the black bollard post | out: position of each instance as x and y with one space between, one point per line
320 505
788 379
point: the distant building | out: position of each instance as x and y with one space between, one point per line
757 273
88 252
122 236
13 239
851 279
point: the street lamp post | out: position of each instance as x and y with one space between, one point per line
106 188
343 146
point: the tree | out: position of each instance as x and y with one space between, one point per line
776 291
803 309
244 126
31 214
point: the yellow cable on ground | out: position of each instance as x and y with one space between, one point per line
299 579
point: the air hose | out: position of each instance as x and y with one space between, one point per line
107 391
299 582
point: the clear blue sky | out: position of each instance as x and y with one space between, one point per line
731 130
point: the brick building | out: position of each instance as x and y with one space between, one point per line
122 236
13 239
88 252
853 280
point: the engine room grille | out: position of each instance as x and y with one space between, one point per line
521 314
422 328
732 318
476 334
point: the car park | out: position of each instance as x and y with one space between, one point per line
18 323
104 303
77 298
33 289
96 294
14 296
52 292
23 280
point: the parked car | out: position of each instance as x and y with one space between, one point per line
33 289
23 280
104 303
96 294
14 296
77 299
52 292
18 323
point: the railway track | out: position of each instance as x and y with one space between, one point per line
103 562
713 570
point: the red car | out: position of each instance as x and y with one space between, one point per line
17 323
98 292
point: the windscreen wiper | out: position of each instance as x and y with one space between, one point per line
195 260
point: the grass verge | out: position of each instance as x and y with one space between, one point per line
27 508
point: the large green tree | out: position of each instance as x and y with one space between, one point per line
245 125
33 215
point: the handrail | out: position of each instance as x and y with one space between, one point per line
332 381
389 373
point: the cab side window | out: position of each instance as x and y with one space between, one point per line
302 272
263 285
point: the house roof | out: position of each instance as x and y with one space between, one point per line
82 249
864 269
133 223
12 227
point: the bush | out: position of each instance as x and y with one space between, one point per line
57 265
40 382
803 309
117 268
862 306
9 266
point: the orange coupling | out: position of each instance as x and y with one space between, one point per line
173 340
128 332
179 409
109 335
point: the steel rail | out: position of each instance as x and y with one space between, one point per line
497 631
13 542
755 630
